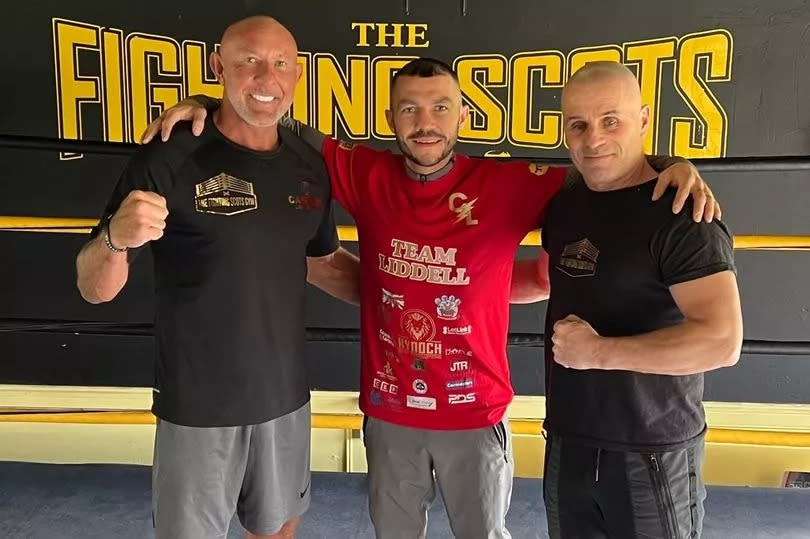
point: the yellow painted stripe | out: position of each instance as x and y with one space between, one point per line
349 232
355 422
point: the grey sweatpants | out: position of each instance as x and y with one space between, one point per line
472 468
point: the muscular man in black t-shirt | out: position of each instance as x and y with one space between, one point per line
238 219
642 303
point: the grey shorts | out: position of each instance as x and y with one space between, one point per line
472 468
201 476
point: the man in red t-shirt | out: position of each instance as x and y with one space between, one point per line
438 233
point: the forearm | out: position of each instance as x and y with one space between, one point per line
663 162
101 273
687 348
530 281
339 276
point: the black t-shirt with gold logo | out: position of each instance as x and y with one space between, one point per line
612 258
230 273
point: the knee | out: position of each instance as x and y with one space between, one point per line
287 531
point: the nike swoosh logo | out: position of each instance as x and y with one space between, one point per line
304 492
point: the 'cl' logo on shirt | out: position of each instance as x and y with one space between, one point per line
462 209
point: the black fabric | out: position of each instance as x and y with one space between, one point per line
593 493
230 272
612 257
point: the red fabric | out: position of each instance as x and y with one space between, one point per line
436 280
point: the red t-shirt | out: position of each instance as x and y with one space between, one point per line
436 267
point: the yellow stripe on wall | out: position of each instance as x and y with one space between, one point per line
349 232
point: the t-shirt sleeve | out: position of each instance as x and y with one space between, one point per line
536 185
348 166
146 170
326 239
686 250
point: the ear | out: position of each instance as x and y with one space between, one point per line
645 119
299 69
217 66
389 117
464 115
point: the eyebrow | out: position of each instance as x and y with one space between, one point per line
411 102
606 113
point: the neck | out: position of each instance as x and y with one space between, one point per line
421 170
641 172
230 124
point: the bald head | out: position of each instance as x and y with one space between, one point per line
258 24
257 63
605 73
605 123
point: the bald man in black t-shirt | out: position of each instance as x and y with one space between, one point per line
238 220
643 302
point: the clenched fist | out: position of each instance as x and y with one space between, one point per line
576 344
140 218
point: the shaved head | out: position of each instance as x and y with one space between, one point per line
257 23
604 73
605 123
257 63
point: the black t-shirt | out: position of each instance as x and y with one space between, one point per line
230 272
612 258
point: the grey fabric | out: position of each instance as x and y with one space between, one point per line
472 468
202 475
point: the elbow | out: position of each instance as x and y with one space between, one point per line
730 347
94 294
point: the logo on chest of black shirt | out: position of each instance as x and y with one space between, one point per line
306 199
579 259
225 195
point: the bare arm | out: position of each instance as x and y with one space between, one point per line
709 338
101 273
337 274
530 282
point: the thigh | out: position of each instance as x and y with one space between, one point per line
277 477
474 470
569 490
400 480
666 496
196 477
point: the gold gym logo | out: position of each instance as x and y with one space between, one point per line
579 259
224 195
463 209
419 329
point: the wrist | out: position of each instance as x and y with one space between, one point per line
107 238
604 353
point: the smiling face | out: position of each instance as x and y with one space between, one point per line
605 123
257 65
425 115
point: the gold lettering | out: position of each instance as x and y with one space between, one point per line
148 97
342 95
648 58
419 272
417 32
362 28
477 74
396 34
447 257
197 80
384 68
708 54
530 128
113 75
73 89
